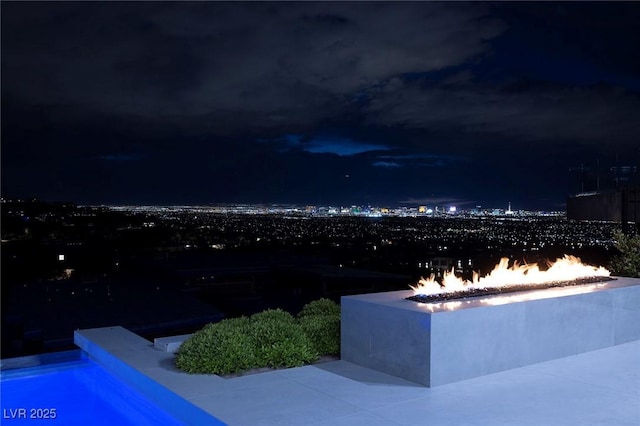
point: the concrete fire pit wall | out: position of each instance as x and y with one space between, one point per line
384 332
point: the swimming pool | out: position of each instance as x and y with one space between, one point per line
74 393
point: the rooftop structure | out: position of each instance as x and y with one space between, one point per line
620 205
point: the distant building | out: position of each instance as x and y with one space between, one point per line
440 265
621 205
509 211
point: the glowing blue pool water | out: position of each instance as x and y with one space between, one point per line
74 393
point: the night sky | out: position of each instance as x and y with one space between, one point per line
335 103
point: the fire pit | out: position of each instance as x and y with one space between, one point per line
567 271
441 342
506 289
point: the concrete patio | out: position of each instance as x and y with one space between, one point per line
600 387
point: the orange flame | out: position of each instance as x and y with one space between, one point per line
567 268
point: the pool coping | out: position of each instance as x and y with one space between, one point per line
108 347
40 359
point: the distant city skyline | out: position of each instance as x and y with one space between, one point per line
327 103
423 208
349 210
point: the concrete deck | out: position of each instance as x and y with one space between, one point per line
601 387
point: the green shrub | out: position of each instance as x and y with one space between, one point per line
221 348
320 321
280 341
272 338
323 331
320 307
627 262
272 315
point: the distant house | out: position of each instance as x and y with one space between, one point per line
621 205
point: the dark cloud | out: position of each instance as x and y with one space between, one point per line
270 101
271 63
420 160
120 157
386 164
327 145
522 113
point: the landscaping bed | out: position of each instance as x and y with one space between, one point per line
266 340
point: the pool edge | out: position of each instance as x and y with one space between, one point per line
174 404
40 359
